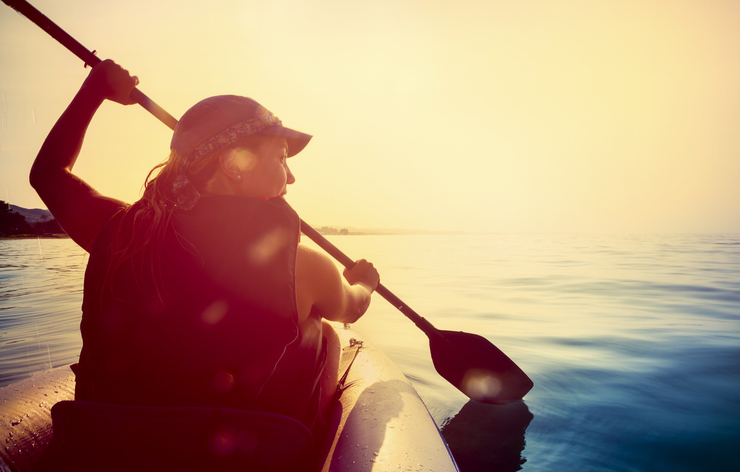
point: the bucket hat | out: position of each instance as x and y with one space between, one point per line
217 123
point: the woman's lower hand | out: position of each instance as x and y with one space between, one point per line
363 272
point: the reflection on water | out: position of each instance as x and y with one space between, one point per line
633 342
488 438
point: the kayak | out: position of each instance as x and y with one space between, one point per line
379 421
384 423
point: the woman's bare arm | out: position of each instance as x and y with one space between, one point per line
78 208
319 285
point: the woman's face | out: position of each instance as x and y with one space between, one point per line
264 172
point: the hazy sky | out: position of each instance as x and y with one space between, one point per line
505 116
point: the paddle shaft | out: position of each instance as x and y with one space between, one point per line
88 57
381 290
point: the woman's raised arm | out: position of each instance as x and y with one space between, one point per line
78 208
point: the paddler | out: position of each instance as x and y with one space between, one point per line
200 294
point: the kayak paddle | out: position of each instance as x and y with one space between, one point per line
468 361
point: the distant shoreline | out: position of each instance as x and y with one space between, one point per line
349 231
37 216
328 233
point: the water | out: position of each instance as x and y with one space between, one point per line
40 299
632 341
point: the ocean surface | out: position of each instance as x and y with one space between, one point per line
632 341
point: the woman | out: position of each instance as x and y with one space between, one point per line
200 294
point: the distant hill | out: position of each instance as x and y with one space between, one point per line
35 215
19 222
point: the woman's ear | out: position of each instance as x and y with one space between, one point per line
236 162
228 164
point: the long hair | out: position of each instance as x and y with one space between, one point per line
139 233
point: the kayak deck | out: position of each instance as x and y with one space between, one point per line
384 424
25 416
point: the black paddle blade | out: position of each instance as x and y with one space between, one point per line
478 368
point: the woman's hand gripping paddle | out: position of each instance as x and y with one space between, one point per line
87 56
469 362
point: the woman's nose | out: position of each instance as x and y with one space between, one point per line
290 176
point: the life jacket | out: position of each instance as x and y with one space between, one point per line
215 325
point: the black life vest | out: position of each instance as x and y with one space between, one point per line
222 330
